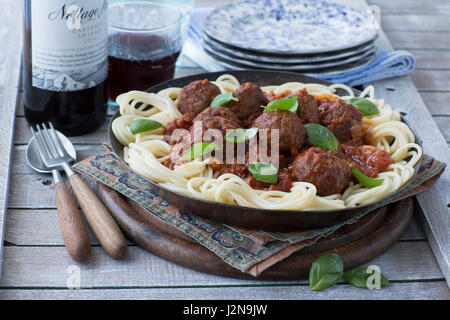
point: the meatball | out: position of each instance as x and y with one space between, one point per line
292 134
236 168
250 99
307 107
196 97
323 169
217 112
203 123
284 182
307 104
344 120
184 122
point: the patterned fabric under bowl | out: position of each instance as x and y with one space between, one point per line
290 26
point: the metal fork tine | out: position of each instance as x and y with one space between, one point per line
51 148
49 143
44 143
40 145
57 141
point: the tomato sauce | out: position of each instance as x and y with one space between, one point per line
368 159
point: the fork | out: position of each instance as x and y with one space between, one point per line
73 229
102 224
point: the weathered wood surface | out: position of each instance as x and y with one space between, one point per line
39 227
356 243
413 6
36 262
434 203
10 37
399 291
47 267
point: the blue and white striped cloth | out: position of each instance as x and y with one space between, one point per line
387 64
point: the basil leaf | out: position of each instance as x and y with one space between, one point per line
325 272
240 135
144 125
365 180
287 104
223 99
198 150
358 277
321 137
264 172
367 107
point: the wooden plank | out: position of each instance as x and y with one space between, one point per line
436 7
414 22
444 126
10 59
23 134
431 80
396 291
437 102
40 228
432 59
36 228
34 191
415 40
21 167
414 232
403 96
47 267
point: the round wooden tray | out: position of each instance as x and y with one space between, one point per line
356 243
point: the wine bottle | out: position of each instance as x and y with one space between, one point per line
65 63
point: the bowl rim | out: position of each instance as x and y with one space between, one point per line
163 85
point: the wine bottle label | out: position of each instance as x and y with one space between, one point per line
69 44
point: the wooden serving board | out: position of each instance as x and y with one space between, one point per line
356 243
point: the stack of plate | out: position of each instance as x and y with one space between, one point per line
309 36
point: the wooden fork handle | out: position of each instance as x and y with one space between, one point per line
71 223
99 218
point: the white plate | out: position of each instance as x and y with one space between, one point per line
289 67
283 59
290 26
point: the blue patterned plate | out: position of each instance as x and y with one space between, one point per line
291 66
233 65
234 52
290 26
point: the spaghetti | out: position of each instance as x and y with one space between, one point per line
146 152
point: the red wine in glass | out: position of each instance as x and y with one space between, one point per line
144 44
131 73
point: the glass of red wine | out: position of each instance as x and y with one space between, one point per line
144 44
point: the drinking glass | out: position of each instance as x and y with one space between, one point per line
144 44
186 8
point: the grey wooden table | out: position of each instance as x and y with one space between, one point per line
36 265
